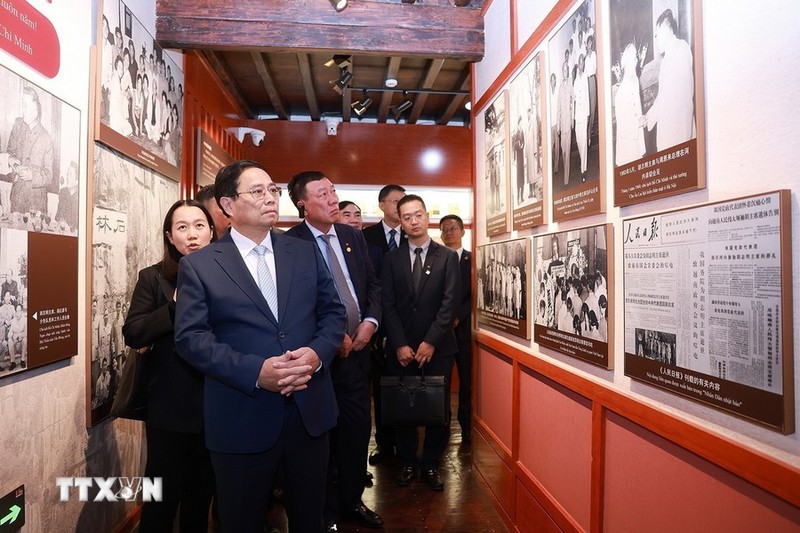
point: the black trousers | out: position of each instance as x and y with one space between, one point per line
464 366
384 435
244 481
350 438
182 461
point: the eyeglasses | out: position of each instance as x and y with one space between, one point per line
259 193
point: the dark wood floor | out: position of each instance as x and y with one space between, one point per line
463 506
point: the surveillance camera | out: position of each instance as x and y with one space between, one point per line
332 124
258 137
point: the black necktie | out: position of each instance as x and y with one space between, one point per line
416 271
392 243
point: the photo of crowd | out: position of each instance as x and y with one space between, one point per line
656 345
572 90
502 285
571 278
652 76
13 301
141 87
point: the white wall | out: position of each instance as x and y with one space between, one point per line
751 65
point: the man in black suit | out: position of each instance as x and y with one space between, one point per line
452 228
382 238
258 313
420 293
345 251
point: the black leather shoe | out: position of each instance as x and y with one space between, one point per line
433 478
379 455
365 516
368 479
405 477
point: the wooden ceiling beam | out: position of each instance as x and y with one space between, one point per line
308 85
456 102
386 98
434 66
269 85
367 27
227 81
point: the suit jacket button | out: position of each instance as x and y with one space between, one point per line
281 335
415 309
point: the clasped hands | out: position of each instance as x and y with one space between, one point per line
424 353
290 371
358 341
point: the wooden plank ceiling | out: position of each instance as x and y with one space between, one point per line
271 55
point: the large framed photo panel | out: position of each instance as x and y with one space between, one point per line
503 281
139 107
708 305
657 99
528 158
127 213
573 279
39 198
577 186
495 126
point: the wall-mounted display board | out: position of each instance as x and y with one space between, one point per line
495 125
39 191
708 305
128 205
657 99
528 157
572 294
139 107
576 184
503 282
210 158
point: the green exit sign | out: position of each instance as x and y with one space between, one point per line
12 510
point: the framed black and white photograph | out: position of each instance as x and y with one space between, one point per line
128 208
528 159
39 199
139 109
573 288
495 126
657 107
502 286
576 183
708 305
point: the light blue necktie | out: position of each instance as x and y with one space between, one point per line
265 281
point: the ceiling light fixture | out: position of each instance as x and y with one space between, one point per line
339 5
360 107
343 82
390 82
341 61
398 109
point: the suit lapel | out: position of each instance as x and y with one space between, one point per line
230 260
430 259
284 262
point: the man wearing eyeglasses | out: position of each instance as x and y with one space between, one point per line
258 313
420 285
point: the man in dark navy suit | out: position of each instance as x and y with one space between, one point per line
345 251
258 313
421 286
382 238
452 228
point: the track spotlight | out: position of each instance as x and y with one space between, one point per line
341 61
339 5
360 107
398 109
343 82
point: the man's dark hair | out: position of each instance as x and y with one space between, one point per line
297 187
227 180
387 190
205 194
669 18
345 203
410 198
451 217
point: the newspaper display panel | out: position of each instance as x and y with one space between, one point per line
708 305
